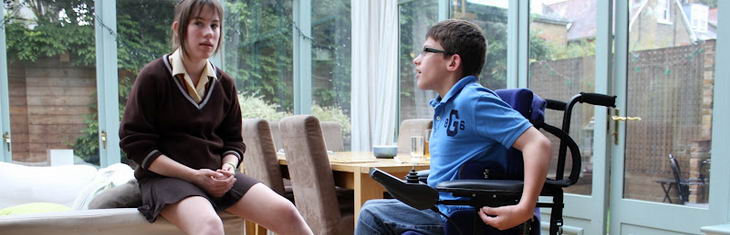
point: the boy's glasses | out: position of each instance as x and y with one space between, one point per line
432 50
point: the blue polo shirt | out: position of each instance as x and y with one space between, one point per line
470 123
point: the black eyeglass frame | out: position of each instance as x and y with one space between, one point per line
432 50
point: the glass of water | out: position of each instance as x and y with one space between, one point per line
416 149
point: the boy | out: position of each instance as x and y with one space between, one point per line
470 123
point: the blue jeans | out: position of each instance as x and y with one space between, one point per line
390 216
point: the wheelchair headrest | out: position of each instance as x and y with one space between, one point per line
529 104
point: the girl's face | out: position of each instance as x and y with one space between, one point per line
203 34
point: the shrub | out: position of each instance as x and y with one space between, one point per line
254 106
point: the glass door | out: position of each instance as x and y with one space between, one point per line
4 110
51 79
663 127
567 54
144 33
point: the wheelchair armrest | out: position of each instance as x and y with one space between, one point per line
479 193
482 186
419 196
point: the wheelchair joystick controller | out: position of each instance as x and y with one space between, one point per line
412 177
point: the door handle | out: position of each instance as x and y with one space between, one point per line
616 118
620 118
103 138
7 139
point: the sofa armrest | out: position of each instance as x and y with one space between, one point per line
122 221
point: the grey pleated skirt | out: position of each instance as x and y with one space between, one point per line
158 192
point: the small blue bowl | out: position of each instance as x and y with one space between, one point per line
385 151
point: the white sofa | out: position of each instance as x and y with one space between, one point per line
75 186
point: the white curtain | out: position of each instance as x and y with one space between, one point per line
374 72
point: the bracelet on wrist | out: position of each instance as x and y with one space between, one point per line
232 165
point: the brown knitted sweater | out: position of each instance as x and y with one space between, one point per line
161 118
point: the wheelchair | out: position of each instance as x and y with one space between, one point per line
486 183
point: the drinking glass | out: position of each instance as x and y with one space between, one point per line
416 149
426 140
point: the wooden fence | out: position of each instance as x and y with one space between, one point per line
669 88
49 101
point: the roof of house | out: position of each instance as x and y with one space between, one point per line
581 14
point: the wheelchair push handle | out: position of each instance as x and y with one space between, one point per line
555 104
597 99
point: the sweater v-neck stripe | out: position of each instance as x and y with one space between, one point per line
182 89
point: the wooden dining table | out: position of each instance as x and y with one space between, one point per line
351 170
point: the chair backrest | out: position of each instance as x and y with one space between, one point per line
682 187
332 132
260 159
532 107
274 125
411 127
310 172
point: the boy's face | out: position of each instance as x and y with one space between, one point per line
431 66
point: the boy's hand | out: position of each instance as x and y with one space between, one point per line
505 217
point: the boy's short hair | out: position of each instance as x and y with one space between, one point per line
185 10
464 38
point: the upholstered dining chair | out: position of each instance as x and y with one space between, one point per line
260 159
274 126
311 176
260 162
332 132
408 128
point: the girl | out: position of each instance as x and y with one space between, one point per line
182 125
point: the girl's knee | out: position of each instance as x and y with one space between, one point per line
211 225
286 208
283 214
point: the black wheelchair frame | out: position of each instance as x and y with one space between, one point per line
500 192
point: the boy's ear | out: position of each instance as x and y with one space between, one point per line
454 63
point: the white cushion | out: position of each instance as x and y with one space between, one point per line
104 221
58 184
106 178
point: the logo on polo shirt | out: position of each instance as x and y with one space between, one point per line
453 124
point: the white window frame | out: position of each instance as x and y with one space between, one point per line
664 11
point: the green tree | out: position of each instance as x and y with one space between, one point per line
258 41
143 32
331 63
414 18
492 20
580 48
257 47
142 35
49 33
